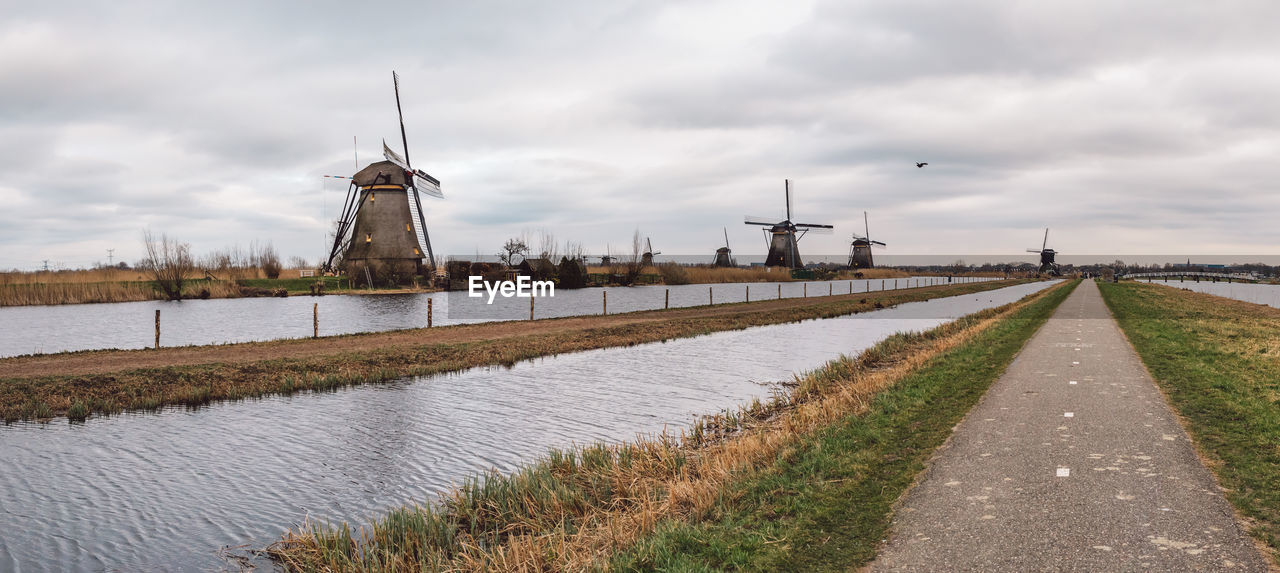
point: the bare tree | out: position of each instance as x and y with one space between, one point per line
514 246
268 260
169 262
547 247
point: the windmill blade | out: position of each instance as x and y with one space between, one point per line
788 187
726 237
1046 239
814 226
1035 250
395 78
878 243
427 184
759 221
648 247
817 230
865 225
394 157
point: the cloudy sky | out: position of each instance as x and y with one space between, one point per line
1135 127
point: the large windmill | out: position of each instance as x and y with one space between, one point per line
860 250
382 228
1047 264
724 255
783 240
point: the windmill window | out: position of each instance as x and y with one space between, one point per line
407 228
416 252
368 238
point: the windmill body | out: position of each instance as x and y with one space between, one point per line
382 231
784 237
724 255
860 256
646 259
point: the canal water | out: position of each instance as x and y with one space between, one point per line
168 491
49 329
1249 292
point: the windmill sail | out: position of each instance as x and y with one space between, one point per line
422 181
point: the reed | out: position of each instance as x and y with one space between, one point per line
575 508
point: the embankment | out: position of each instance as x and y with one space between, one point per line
83 383
804 481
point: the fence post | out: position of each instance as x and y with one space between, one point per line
157 329
850 287
806 290
429 301
748 293
667 303
530 306
604 301
711 299
779 291
315 320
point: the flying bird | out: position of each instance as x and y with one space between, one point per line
921 164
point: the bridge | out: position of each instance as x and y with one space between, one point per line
1197 275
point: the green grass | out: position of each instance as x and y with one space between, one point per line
298 286
1218 361
826 503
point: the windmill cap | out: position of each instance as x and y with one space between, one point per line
392 174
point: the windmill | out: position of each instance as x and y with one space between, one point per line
646 259
1047 265
783 249
382 228
724 256
860 250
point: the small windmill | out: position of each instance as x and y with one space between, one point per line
782 237
860 250
724 255
1047 264
646 259
379 216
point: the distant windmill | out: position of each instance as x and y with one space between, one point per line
646 259
1047 264
724 256
783 240
860 250
377 227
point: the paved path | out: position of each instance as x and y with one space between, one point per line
1073 461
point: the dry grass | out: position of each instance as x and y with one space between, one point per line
576 508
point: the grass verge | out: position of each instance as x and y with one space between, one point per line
194 385
802 481
1218 361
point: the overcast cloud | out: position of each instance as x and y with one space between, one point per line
1135 127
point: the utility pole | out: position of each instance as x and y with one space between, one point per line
111 257
46 265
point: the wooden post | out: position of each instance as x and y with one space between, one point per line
711 299
748 293
157 329
315 320
895 284
604 301
429 301
530 306
829 287
850 287
779 291
806 290
667 303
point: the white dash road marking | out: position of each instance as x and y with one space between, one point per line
1064 472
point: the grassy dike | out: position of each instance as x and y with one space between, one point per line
1218 361
803 481
79 396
